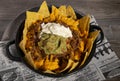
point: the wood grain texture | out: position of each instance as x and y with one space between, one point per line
101 9
106 12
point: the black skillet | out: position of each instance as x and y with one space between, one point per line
20 55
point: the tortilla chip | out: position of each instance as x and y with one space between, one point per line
77 54
87 27
70 12
39 63
30 20
81 46
69 22
51 64
49 19
74 65
84 25
85 57
55 11
30 60
62 10
69 65
88 50
33 16
44 11
28 56
49 71
89 42
94 34
23 42
26 26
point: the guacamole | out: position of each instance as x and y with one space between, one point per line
52 44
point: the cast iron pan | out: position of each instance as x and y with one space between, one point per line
20 55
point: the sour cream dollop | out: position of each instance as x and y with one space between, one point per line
57 29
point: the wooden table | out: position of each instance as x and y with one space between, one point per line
106 12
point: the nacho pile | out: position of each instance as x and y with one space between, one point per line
51 53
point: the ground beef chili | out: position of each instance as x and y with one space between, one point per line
33 39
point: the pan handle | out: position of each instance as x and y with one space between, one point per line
100 38
11 56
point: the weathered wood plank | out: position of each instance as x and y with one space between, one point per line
106 12
99 8
3 25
